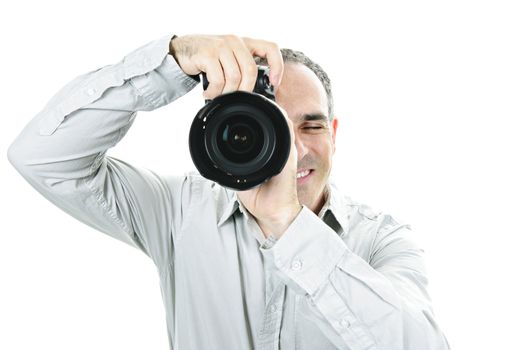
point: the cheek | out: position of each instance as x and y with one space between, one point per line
321 151
322 148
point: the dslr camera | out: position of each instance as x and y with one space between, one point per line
240 139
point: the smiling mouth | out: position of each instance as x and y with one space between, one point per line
304 175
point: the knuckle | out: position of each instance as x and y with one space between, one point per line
234 76
251 69
272 45
220 47
210 52
230 37
215 86
217 82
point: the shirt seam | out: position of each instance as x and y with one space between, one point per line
294 328
103 203
101 200
141 94
365 331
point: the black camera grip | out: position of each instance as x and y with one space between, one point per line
205 81
262 84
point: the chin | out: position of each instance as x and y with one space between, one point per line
306 200
302 199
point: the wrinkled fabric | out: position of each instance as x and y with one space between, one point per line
348 278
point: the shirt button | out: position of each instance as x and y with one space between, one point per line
90 92
297 265
273 308
344 323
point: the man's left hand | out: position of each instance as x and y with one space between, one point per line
275 204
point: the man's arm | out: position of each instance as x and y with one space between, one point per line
383 304
62 151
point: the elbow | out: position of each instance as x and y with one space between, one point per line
18 161
13 155
18 156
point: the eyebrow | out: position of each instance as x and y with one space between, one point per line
313 116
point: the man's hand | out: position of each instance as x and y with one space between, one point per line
275 204
227 61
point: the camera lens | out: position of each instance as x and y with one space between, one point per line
239 139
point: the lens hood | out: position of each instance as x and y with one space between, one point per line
239 140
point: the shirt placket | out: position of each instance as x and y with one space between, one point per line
268 336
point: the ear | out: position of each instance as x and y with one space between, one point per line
335 122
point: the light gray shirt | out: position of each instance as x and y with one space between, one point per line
348 278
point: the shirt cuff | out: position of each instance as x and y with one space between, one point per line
150 68
154 72
306 253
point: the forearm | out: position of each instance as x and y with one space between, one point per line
351 301
277 226
94 111
62 151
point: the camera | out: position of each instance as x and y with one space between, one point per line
240 139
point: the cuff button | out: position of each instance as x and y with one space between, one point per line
296 265
344 323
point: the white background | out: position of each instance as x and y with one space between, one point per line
430 97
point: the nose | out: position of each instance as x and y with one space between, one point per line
301 147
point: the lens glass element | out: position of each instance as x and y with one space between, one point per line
240 138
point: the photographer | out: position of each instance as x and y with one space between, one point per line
292 263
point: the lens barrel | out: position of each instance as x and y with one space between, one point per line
240 139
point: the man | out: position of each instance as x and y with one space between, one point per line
290 264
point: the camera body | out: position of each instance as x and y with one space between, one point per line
240 139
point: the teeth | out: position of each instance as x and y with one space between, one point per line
303 174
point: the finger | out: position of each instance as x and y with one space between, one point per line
232 73
247 66
215 76
272 53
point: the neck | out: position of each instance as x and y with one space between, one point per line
321 201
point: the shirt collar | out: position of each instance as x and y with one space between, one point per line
335 205
231 207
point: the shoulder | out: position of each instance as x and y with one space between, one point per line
372 216
193 188
371 229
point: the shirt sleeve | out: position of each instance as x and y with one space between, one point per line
359 305
61 152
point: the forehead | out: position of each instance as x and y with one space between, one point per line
301 92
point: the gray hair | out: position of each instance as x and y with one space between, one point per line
294 56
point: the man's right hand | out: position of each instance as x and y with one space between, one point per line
227 61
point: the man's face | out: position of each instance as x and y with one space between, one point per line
302 96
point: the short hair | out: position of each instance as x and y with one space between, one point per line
294 56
